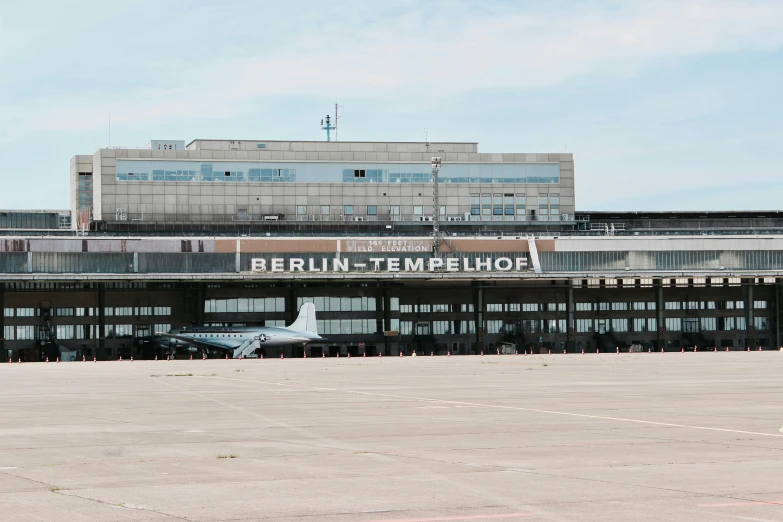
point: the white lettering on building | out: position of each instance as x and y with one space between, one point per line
392 264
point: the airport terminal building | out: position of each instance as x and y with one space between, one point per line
220 232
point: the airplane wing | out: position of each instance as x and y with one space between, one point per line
197 342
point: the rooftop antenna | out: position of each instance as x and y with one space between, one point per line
328 127
335 120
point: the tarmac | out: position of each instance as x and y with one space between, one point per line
631 437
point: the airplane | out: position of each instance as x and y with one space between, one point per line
243 341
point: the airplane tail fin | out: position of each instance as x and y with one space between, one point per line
306 320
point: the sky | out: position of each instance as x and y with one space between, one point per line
666 105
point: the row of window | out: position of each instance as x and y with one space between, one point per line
339 304
332 172
486 204
346 326
88 312
434 327
434 308
82 331
245 305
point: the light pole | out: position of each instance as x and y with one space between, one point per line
436 163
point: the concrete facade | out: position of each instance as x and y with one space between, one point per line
200 201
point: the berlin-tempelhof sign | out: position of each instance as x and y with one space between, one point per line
390 264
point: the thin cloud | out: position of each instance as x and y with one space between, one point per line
421 58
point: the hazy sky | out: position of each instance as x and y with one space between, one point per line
665 104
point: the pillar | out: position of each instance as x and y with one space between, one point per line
571 326
386 317
3 353
777 314
290 305
660 340
751 328
199 304
101 333
478 305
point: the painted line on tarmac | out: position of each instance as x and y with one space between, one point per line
746 503
457 518
502 407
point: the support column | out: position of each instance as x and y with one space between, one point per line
101 333
660 341
386 317
290 305
478 305
198 312
570 343
778 343
3 353
751 328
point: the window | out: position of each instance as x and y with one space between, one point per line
761 323
395 210
425 308
64 331
741 323
639 305
143 310
123 330
728 323
619 306
494 326
673 324
603 307
584 307
162 310
644 324
25 312
406 327
360 173
64 312
8 312
530 325
584 325
440 308
348 210
739 305
108 311
466 307
406 309
709 324
494 307
163 327
394 304
301 210
325 210
25 333
672 305
759 305
8 333
440 327
530 307
372 210
85 331
123 310
619 325
513 307
467 327
417 210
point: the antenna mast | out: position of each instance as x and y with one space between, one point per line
328 127
335 120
